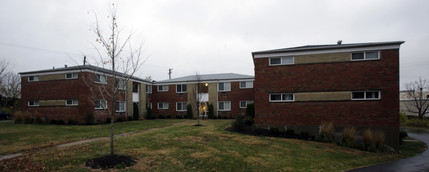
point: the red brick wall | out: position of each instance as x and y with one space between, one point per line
61 90
235 96
380 74
171 97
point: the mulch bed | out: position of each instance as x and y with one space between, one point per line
246 129
111 161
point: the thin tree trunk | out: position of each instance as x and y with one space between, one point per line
112 133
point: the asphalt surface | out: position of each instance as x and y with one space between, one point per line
417 163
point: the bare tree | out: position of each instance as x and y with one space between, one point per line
118 55
4 65
11 85
418 102
196 97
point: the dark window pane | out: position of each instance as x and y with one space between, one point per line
358 95
357 56
276 97
372 95
275 61
287 97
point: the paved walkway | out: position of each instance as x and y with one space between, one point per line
416 163
91 140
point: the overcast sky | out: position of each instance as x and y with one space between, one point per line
209 36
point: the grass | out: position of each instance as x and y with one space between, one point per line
20 137
209 148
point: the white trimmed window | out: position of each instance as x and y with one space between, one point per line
120 84
162 88
224 106
282 97
367 55
33 78
33 102
100 79
72 102
120 106
181 106
273 61
181 88
148 88
366 95
72 75
224 86
163 105
243 104
100 104
246 84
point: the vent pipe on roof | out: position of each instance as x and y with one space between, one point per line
169 73
339 42
65 66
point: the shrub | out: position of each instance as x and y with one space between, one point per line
290 131
250 110
18 117
416 122
326 132
368 139
130 118
149 113
189 114
348 137
39 120
238 123
108 120
379 138
403 118
305 135
248 121
119 119
74 122
274 131
211 111
402 135
168 116
61 122
89 118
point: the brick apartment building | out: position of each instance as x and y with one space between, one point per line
72 92
347 84
229 93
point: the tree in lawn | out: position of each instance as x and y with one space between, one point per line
418 101
118 55
195 97
10 87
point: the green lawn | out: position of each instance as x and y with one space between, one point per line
19 137
210 148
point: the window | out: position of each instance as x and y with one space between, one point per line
282 97
366 95
33 78
243 104
148 105
369 55
224 86
120 84
224 106
33 103
100 79
148 88
71 75
281 61
427 96
181 88
120 106
72 102
246 84
181 106
162 105
135 87
162 88
100 104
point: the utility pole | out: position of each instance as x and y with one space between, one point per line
169 73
